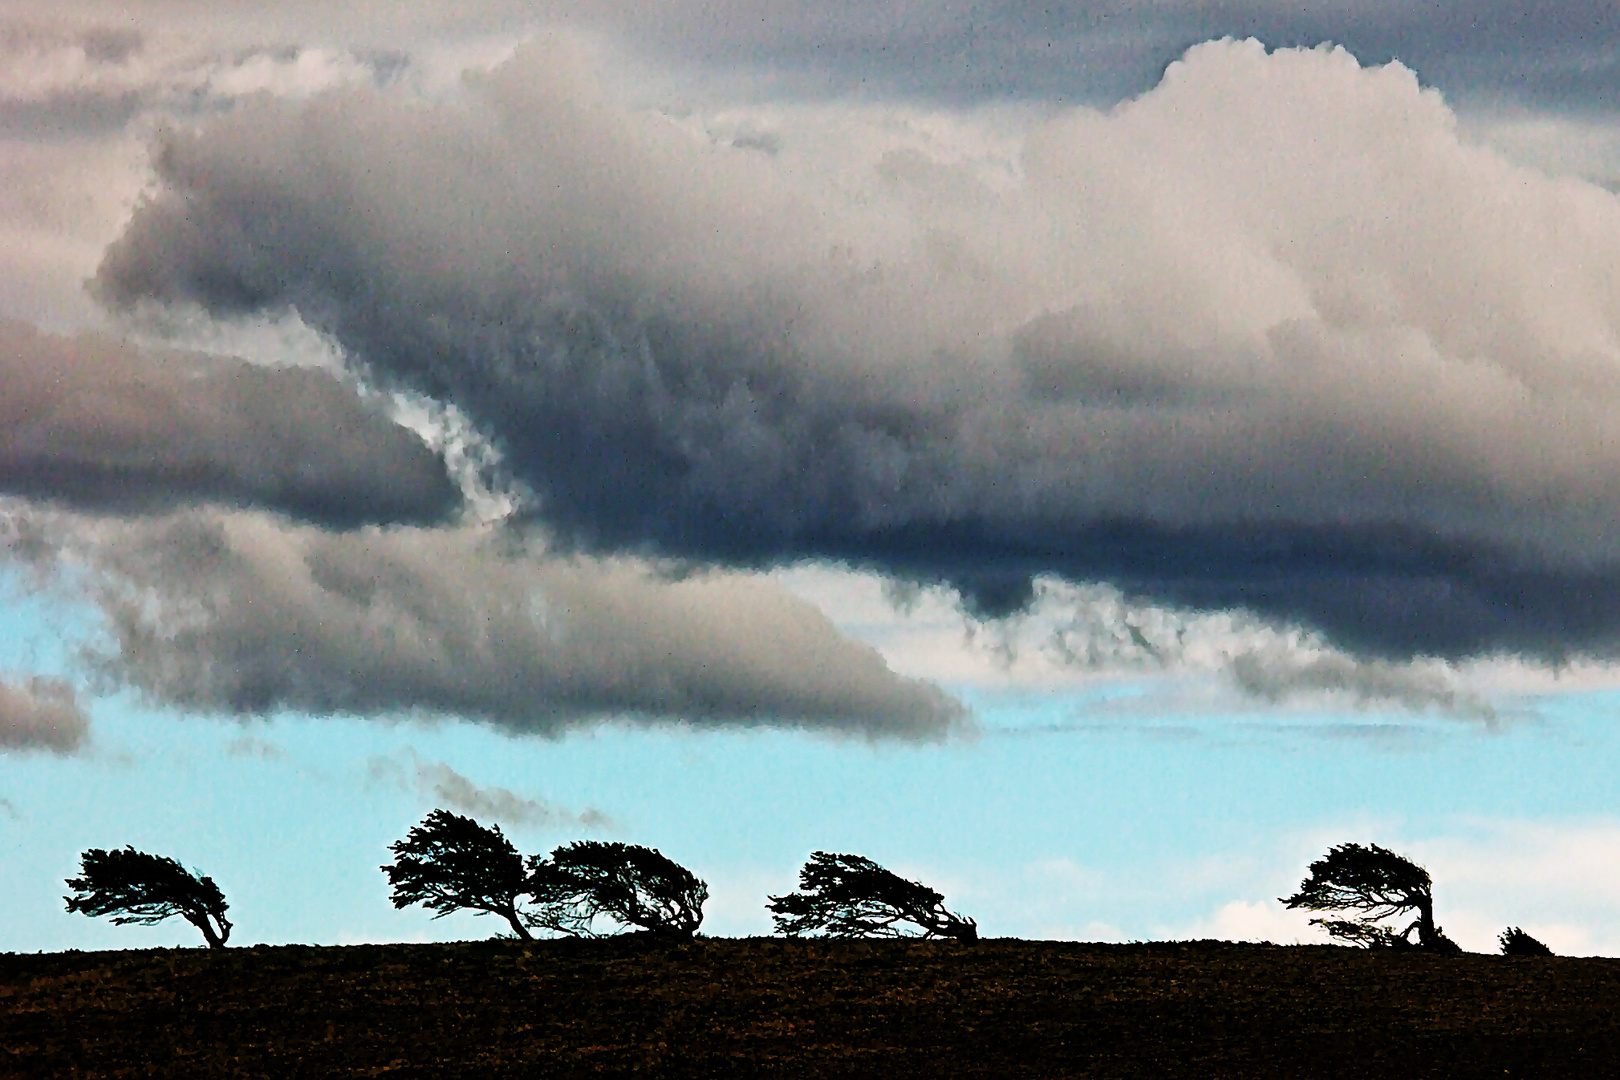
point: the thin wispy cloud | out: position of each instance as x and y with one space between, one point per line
447 788
251 746
39 713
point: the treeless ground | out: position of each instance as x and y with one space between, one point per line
772 1007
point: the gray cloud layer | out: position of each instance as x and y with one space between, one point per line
1271 336
41 714
245 614
100 424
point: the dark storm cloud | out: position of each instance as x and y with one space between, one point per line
248 615
1269 337
41 714
101 424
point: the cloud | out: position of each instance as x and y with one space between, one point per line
62 79
79 69
447 788
1096 628
61 204
41 714
100 424
1556 879
248 746
1270 337
1116 656
1260 920
1584 146
54 80
79 93
1550 52
246 614
1282 676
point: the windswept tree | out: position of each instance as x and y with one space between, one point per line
1516 942
636 887
451 863
850 896
1380 885
134 887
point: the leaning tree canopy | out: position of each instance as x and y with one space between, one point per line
143 889
851 896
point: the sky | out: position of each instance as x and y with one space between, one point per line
1089 458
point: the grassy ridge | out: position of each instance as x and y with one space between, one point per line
769 1007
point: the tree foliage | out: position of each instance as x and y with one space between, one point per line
1380 885
1370 935
850 896
135 887
1515 942
452 863
634 886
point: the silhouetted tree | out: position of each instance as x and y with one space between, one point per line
1381 885
452 863
135 887
628 884
1516 942
850 896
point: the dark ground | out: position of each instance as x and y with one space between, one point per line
769 1007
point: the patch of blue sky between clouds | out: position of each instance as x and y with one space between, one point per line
38 632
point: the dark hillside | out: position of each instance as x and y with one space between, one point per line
769 1007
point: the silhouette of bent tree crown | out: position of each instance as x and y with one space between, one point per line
452 863
135 887
1381 885
629 884
850 896
1516 942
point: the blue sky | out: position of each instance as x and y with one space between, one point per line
1089 461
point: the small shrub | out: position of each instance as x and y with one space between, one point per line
1516 942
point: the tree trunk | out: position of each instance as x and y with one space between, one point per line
201 922
518 928
1429 935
